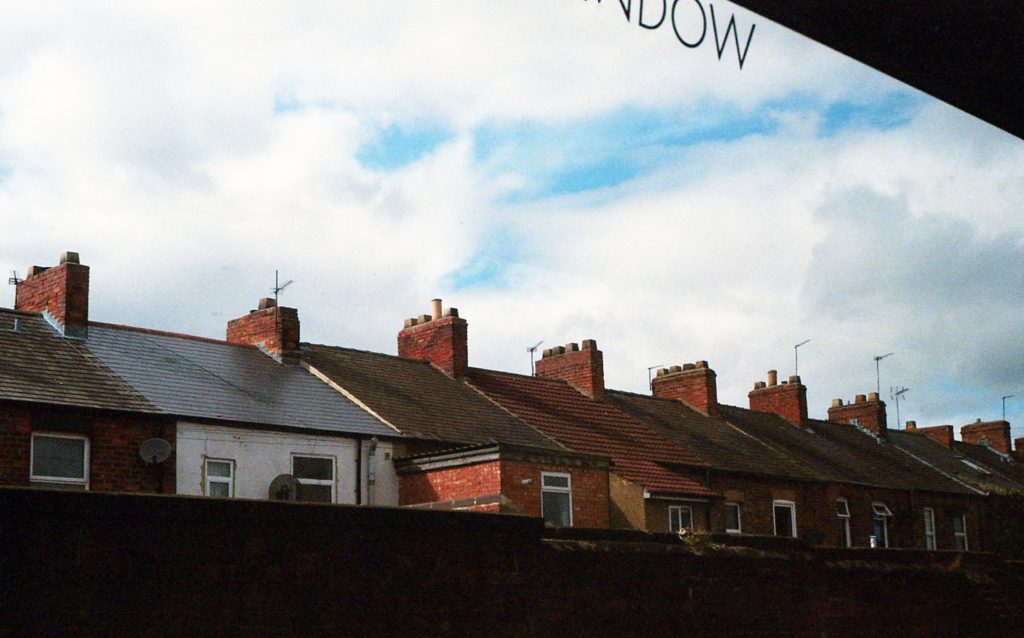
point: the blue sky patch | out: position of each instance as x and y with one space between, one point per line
488 268
563 159
398 146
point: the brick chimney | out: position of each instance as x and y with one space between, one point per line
940 433
995 434
275 330
60 292
867 412
693 383
1018 447
440 338
582 367
788 399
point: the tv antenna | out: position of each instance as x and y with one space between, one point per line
650 377
878 382
796 356
14 279
1009 396
896 394
532 350
279 288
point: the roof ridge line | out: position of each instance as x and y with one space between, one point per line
334 385
166 333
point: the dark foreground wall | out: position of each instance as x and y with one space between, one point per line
123 565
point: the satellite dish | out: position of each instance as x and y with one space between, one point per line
283 488
154 451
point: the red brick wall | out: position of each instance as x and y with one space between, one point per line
583 368
443 342
996 433
276 329
694 384
941 433
114 462
787 400
589 490
62 291
450 483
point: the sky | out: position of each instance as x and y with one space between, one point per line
552 168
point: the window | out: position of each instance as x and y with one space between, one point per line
929 528
843 514
784 513
732 518
880 514
556 499
960 531
220 478
315 477
60 460
854 421
680 517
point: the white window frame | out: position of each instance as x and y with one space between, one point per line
960 537
792 516
330 482
929 529
556 489
675 513
229 480
739 518
59 480
843 514
880 511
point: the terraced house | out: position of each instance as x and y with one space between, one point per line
260 414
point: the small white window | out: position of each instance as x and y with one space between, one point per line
680 517
315 478
220 478
733 524
880 514
929 528
556 499
60 460
843 515
960 531
854 421
784 516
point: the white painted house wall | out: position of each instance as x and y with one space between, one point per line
260 456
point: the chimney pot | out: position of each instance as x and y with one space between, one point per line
435 307
872 396
673 369
545 353
423 319
441 340
794 379
572 347
35 270
911 425
410 322
773 378
689 366
837 403
860 398
558 350
69 257
661 372
590 344
701 364
267 302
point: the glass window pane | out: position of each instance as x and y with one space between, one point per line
307 467
842 508
220 489
218 468
732 516
783 520
958 524
58 457
555 507
556 481
313 493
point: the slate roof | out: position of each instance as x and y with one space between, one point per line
843 453
419 399
40 366
592 426
723 445
990 471
210 379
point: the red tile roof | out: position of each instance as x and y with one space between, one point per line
594 426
